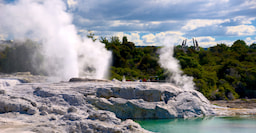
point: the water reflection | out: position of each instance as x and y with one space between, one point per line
239 124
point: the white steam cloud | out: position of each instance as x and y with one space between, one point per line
171 64
66 53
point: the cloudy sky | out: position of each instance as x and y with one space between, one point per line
147 22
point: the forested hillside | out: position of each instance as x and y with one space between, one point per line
220 72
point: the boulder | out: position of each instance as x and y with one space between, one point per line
12 104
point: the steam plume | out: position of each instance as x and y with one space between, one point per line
171 64
66 54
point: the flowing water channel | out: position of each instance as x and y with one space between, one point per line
238 124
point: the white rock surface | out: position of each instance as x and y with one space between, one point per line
56 107
8 83
150 101
94 106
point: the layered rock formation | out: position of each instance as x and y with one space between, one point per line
93 106
150 101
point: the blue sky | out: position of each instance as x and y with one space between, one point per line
147 22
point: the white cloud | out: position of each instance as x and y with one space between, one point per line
200 17
83 20
227 42
212 3
157 39
206 41
150 22
120 35
84 5
133 37
244 19
197 23
241 30
149 38
250 41
71 3
174 36
251 4
165 3
117 23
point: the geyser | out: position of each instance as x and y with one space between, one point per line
65 53
171 65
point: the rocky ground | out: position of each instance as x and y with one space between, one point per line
33 104
239 103
235 107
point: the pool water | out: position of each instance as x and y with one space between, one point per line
238 124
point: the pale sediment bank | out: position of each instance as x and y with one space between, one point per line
235 107
238 103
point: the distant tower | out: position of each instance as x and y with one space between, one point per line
196 45
184 43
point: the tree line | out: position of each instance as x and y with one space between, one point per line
220 72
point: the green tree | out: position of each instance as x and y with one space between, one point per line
125 40
240 47
91 35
